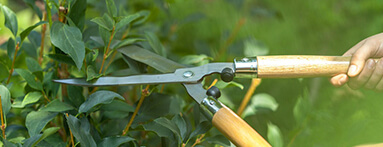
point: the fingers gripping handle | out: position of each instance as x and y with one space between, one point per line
233 127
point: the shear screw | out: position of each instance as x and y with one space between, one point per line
213 92
188 74
227 75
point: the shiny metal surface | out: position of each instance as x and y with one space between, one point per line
211 104
196 91
182 75
246 67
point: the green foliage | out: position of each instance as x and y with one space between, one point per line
139 37
97 98
69 40
10 20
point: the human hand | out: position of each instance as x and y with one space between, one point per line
363 71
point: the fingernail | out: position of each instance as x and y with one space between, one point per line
342 80
352 70
371 64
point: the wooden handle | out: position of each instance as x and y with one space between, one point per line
237 130
301 66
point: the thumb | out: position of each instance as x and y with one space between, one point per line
358 60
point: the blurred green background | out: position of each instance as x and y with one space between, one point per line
310 112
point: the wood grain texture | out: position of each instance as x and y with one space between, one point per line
237 130
298 66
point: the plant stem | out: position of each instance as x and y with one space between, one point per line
43 30
144 94
198 140
2 119
45 96
110 61
107 49
13 62
254 83
231 38
213 83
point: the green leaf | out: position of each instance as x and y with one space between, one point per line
155 106
181 125
30 98
31 3
81 130
301 108
144 15
117 109
155 43
98 98
30 141
36 121
75 96
69 40
10 20
26 32
4 72
197 60
274 135
160 130
255 48
218 139
221 84
105 36
57 106
114 141
30 78
201 128
33 65
127 20
34 140
169 124
105 22
118 105
157 62
77 13
5 99
6 143
128 41
16 139
91 73
62 58
47 132
260 102
11 47
112 10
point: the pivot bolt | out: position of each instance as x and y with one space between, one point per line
188 74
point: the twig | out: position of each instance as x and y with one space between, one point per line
231 38
13 62
45 96
254 83
198 140
43 30
2 119
110 61
213 83
107 49
144 94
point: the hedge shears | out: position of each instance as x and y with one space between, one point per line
224 119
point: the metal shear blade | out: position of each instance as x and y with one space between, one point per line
182 75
